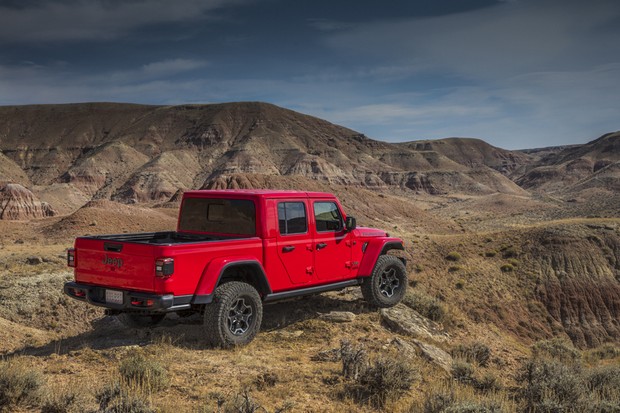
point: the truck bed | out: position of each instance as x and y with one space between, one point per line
161 238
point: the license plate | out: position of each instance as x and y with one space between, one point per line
113 297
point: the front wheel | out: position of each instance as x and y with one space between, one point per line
234 317
387 284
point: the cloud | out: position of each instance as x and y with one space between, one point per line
172 66
491 43
328 25
71 20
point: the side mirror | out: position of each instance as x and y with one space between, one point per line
350 224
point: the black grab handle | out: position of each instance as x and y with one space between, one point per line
108 246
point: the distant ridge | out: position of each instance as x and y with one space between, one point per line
137 153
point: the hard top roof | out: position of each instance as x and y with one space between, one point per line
258 193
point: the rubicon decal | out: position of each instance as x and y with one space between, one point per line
115 262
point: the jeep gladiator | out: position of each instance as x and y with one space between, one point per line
232 251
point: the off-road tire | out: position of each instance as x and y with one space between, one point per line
388 283
136 320
234 316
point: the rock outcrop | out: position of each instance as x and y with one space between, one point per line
19 203
404 320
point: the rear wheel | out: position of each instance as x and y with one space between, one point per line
234 317
136 320
387 284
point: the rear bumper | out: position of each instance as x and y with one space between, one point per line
132 301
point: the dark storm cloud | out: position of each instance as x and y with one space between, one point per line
76 20
518 73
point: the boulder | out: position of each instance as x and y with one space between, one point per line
404 320
338 316
435 355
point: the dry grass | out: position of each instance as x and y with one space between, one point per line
476 303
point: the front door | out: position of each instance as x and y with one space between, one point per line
332 255
294 241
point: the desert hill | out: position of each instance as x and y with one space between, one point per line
494 268
473 153
134 153
577 167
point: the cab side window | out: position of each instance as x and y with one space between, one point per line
292 218
327 217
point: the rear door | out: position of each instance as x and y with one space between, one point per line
332 254
294 241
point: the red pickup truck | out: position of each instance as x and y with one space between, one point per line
234 250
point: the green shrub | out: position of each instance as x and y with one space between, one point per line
455 268
19 384
490 254
460 284
509 252
507 268
475 352
143 372
513 262
427 306
453 256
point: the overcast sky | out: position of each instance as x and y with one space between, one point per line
516 73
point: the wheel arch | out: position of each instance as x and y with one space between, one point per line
376 248
247 270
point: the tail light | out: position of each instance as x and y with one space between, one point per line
164 267
76 292
71 257
142 302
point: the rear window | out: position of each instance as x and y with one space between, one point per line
221 216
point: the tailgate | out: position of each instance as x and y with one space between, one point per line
115 264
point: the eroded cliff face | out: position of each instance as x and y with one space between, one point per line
578 280
19 203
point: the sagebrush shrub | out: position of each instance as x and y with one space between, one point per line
427 306
476 352
61 403
449 402
556 349
385 380
462 371
507 268
143 372
550 386
19 384
120 398
354 360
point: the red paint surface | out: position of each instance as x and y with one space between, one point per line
197 266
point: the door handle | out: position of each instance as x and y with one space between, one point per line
288 248
321 245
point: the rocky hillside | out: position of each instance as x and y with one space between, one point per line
473 153
18 203
133 153
577 168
